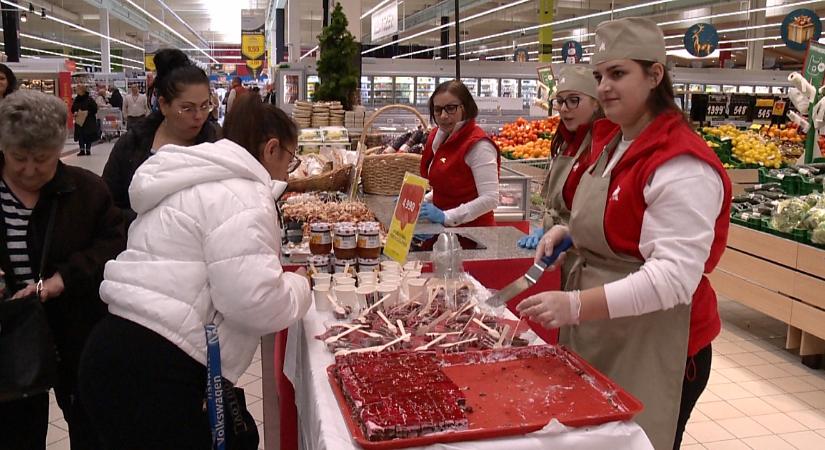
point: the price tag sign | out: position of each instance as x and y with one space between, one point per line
779 108
717 106
404 217
764 110
740 106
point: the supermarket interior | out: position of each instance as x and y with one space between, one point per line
429 224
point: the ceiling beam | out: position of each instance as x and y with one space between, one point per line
122 13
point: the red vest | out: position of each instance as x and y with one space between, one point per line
450 177
667 137
574 140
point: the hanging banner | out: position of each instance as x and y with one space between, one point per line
799 27
546 77
572 52
253 39
521 55
701 40
814 68
385 21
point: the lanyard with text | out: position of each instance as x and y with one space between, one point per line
214 387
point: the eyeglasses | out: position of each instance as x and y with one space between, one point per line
294 162
571 102
194 110
451 109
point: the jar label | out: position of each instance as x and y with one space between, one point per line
369 241
345 242
320 239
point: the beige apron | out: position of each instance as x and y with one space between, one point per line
645 355
555 210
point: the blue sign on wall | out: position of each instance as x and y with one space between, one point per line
701 40
799 27
572 52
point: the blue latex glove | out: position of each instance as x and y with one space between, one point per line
531 241
432 213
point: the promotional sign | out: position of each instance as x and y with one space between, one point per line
546 77
814 69
253 39
779 108
521 55
404 217
385 21
717 106
763 113
64 89
572 52
701 40
799 27
740 106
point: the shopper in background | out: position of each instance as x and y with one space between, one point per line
236 90
115 99
205 247
460 161
216 103
8 82
650 217
102 98
577 102
88 231
184 101
271 96
135 107
86 129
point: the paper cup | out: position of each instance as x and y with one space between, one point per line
345 281
341 275
389 277
417 289
412 266
391 290
345 295
319 293
366 295
320 279
367 278
390 265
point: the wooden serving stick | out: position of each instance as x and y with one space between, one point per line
366 311
401 328
377 348
440 338
387 321
466 341
332 339
338 308
427 328
503 336
495 334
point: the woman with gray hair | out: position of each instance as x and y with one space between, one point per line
88 231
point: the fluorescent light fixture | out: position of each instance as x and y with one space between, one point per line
309 52
374 8
735 13
64 44
169 28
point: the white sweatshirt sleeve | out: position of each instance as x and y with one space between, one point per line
482 159
684 198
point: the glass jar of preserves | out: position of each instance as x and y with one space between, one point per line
368 264
321 263
345 242
320 238
369 241
341 265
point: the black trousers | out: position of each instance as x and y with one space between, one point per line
697 373
85 144
141 391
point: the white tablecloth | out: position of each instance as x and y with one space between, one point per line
321 425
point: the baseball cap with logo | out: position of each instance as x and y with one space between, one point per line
577 78
629 38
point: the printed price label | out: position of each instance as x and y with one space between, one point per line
404 217
717 106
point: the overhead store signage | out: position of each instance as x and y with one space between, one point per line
763 112
814 70
149 56
717 106
405 217
253 39
572 52
799 27
521 55
701 40
385 21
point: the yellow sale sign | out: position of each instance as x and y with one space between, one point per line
253 46
404 217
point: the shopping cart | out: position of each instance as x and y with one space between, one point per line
111 123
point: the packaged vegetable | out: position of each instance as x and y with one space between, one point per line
813 218
818 234
788 214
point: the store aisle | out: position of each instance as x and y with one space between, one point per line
759 395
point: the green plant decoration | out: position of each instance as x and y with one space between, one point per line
336 66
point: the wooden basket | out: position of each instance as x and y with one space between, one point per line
335 180
383 174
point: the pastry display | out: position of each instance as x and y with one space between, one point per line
310 208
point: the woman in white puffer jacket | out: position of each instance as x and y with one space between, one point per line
205 244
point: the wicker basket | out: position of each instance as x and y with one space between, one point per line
336 180
383 174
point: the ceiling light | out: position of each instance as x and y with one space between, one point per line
374 8
169 28
308 53
23 18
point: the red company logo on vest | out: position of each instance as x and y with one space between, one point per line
614 197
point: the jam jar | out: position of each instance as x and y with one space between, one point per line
320 262
368 264
341 264
320 238
369 241
345 241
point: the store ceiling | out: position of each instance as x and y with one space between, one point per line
217 23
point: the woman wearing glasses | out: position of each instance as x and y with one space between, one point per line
577 102
460 161
204 248
184 100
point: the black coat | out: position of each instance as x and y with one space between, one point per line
132 149
89 131
116 100
88 231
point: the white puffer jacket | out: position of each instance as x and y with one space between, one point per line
206 239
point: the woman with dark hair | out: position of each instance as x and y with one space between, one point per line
8 81
86 130
203 249
185 105
577 102
460 160
650 218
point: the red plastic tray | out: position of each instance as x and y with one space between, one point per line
516 391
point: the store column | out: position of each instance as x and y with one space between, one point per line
279 36
105 58
11 30
293 29
545 33
756 48
445 37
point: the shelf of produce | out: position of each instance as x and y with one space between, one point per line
780 278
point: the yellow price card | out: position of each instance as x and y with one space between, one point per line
405 217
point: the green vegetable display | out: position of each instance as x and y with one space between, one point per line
788 214
818 234
813 218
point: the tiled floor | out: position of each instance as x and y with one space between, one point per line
759 396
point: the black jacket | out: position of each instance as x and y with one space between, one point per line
88 231
132 149
116 100
89 130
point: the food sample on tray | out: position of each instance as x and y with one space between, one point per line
400 395
310 208
335 134
310 135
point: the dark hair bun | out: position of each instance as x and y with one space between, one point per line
169 59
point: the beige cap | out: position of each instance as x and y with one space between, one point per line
577 78
629 38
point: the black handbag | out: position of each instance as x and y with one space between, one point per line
28 358
242 430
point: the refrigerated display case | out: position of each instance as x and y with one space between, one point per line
404 90
472 85
443 79
728 88
713 88
746 89
763 90
311 81
424 87
45 85
514 196
382 91
509 87
698 88
366 91
489 87
529 91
